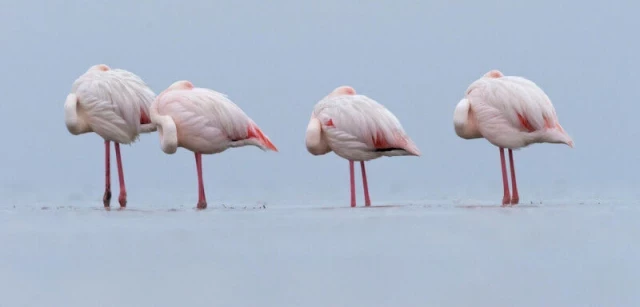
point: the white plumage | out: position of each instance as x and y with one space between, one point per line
513 112
109 102
205 121
359 123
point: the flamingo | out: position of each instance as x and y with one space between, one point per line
356 128
510 112
113 103
205 122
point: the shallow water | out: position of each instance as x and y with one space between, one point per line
428 254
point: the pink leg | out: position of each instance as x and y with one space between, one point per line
353 184
122 199
506 199
367 200
106 199
202 200
514 195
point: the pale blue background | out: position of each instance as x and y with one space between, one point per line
277 59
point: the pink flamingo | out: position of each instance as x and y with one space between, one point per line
356 128
205 122
113 103
510 112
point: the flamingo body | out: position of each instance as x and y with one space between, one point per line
113 103
510 112
356 128
205 122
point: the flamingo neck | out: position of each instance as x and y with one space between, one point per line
76 124
315 143
168 133
464 121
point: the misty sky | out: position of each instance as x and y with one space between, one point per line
276 59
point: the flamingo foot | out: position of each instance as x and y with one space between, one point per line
202 204
122 199
506 201
106 199
515 200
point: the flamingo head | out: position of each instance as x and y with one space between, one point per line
181 85
343 90
99 67
494 73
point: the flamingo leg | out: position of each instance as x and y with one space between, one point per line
514 194
122 199
367 200
106 199
202 200
506 199
353 184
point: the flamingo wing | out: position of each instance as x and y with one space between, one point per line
138 90
514 101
